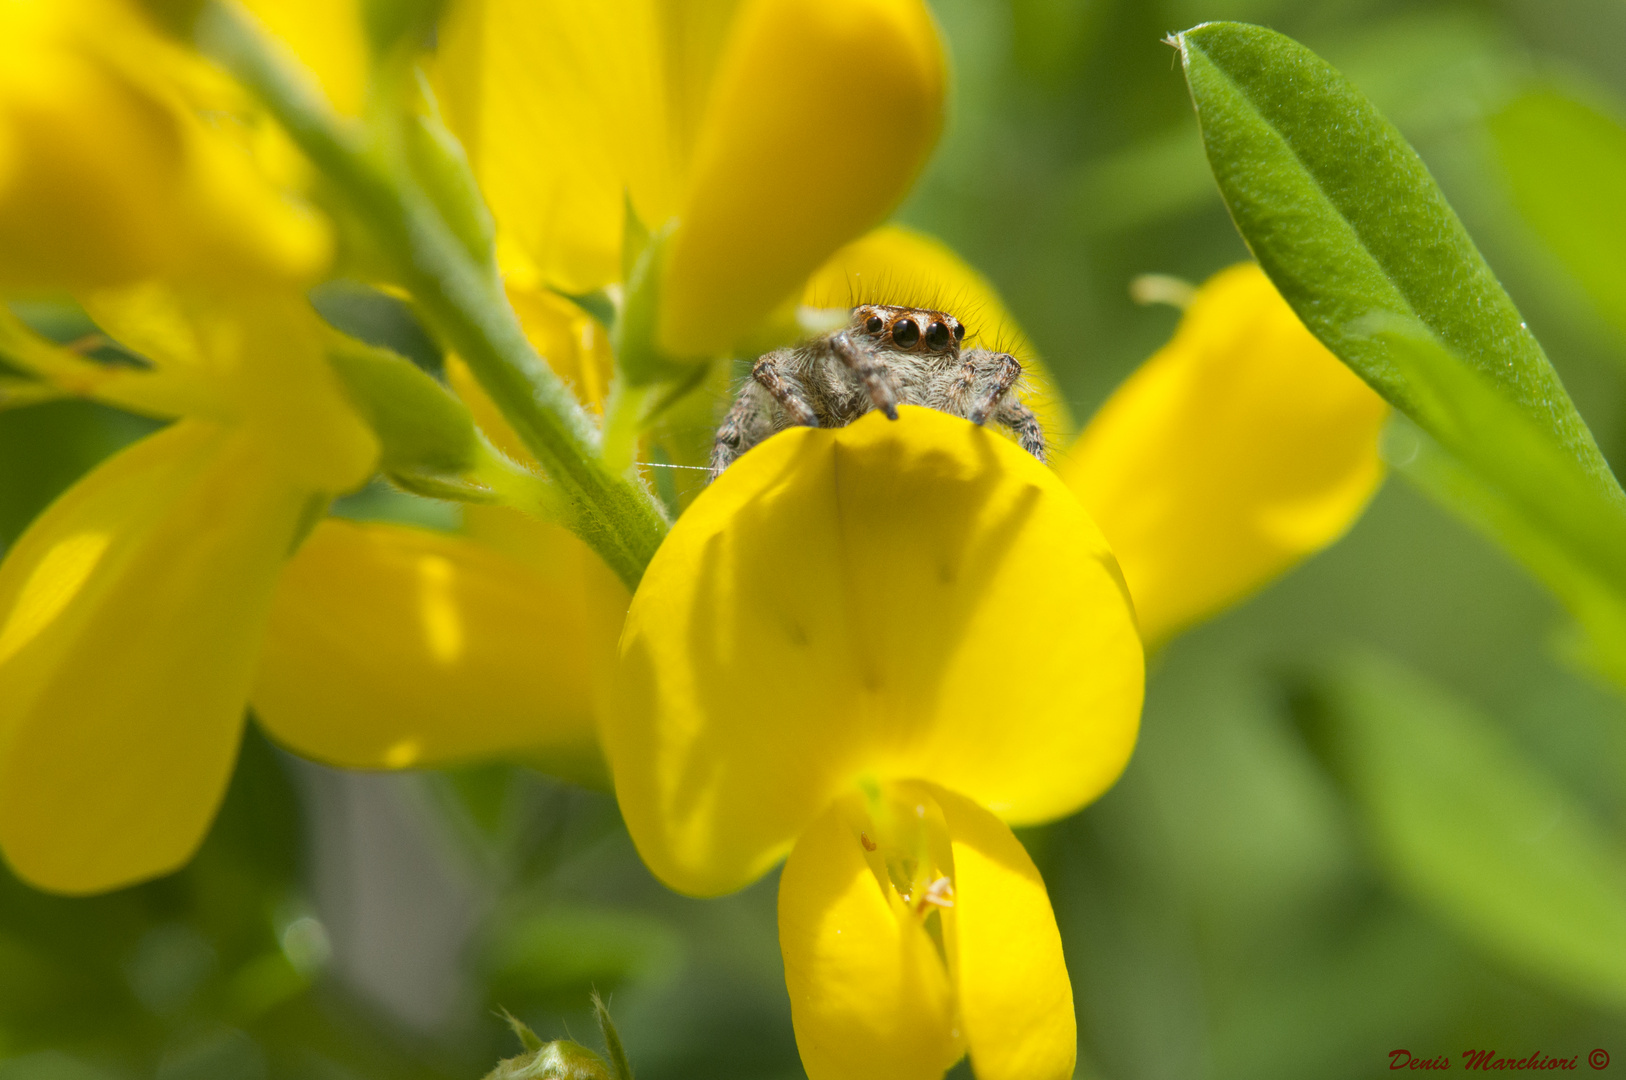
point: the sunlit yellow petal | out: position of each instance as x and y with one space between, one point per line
895 265
559 106
1016 1003
821 114
851 603
325 37
130 615
391 647
869 996
106 173
1240 448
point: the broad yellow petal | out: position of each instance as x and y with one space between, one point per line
1240 448
130 615
1016 1003
895 265
559 106
821 114
326 38
917 598
391 647
107 175
869 995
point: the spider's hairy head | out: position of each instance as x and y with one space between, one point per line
909 329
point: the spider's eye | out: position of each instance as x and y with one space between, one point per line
905 332
959 332
873 324
937 335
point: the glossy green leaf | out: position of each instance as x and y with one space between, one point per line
1348 222
1566 165
1463 822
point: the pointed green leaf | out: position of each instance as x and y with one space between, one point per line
1466 824
1347 221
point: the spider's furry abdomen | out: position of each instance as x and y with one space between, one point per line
887 355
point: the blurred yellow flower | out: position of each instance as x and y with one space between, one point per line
1242 447
131 610
109 173
764 133
826 633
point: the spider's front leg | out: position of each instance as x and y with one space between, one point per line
876 379
1004 368
785 390
1020 419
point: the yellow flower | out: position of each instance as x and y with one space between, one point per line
1240 448
108 174
833 627
763 134
874 646
131 610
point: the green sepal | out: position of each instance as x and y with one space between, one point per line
399 24
421 426
638 356
441 167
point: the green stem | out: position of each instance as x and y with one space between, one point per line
463 300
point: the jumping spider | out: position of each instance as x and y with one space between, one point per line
887 355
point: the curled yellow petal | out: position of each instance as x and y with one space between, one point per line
917 598
391 647
821 114
130 615
895 265
1015 1000
1240 448
559 106
108 175
869 995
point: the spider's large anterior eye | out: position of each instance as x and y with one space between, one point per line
873 324
937 335
959 332
905 332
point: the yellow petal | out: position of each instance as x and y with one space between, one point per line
821 114
559 106
917 598
571 341
391 647
130 615
895 265
326 38
869 996
1016 1003
106 173
1240 448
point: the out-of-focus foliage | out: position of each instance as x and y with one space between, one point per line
1307 863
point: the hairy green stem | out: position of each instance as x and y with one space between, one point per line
462 298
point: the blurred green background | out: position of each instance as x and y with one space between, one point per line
1374 808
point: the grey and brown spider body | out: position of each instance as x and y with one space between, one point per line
886 356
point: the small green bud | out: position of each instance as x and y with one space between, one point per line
558 1060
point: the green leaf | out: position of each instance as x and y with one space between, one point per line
1347 221
1566 165
1466 825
